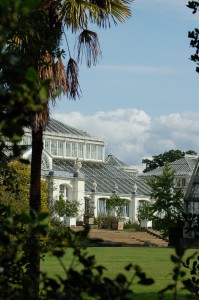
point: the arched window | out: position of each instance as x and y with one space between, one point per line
45 165
63 191
102 209
102 206
125 210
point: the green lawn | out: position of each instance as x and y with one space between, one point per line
154 261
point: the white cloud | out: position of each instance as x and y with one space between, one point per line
131 134
179 130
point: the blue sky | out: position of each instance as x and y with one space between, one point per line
142 97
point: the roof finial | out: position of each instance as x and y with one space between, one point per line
77 167
111 153
134 188
94 185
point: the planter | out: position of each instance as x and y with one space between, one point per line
118 225
70 221
145 224
89 220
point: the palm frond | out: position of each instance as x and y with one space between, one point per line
55 72
72 73
76 13
107 10
46 71
60 78
88 44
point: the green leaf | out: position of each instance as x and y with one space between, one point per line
175 259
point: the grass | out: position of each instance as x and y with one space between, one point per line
155 262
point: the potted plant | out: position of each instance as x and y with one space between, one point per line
115 206
71 211
144 215
89 211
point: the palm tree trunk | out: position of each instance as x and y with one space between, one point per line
35 185
35 205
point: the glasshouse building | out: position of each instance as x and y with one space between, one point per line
75 167
186 178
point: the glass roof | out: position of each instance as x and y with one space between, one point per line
108 178
55 126
182 166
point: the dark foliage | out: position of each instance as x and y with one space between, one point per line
194 34
21 91
177 275
86 282
192 282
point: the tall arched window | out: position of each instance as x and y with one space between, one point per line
125 210
102 206
63 191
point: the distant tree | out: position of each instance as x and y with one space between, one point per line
168 156
194 35
167 204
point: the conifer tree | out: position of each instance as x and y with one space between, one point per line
167 202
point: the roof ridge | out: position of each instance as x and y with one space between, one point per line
115 161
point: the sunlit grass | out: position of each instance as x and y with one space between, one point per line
155 262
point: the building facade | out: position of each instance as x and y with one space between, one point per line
75 167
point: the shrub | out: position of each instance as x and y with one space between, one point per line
104 222
15 187
132 226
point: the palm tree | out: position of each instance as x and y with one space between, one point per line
41 49
61 16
